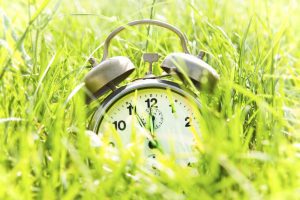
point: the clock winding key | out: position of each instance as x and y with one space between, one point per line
150 58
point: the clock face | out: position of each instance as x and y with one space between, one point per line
166 118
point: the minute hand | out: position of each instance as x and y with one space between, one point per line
143 125
151 122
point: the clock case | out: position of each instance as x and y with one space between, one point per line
107 74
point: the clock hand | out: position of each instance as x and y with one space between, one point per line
139 120
151 122
153 143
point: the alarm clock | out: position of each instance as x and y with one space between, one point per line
164 111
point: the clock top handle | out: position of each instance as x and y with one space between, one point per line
181 36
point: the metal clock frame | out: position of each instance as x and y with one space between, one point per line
110 100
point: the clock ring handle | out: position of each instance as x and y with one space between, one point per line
182 37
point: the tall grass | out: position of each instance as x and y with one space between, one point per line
250 125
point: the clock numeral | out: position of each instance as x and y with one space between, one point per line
172 108
130 109
188 121
120 125
151 102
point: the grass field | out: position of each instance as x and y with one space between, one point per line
250 124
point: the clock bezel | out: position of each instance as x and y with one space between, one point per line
109 101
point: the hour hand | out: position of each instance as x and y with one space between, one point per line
140 120
153 144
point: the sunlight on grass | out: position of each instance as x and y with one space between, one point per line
250 128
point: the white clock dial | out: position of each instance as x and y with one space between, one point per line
168 117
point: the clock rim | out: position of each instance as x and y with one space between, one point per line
112 98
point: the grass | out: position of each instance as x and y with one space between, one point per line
250 124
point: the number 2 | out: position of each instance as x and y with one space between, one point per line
188 121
